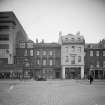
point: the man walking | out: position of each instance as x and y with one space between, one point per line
91 79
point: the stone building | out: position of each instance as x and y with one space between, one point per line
39 59
47 60
72 56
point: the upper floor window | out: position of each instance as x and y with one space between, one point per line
97 53
44 61
38 62
51 62
103 53
104 64
29 45
72 59
3 52
91 66
22 45
79 49
97 64
73 48
67 59
91 53
79 58
66 49
44 52
31 52
37 53
50 53
25 53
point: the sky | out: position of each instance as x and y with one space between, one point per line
44 19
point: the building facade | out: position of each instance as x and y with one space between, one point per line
95 59
10 32
72 56
39 59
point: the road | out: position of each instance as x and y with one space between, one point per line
53 92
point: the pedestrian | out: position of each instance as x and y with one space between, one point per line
91 79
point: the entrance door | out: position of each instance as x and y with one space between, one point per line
96 74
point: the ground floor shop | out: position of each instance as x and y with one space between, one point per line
48 73
72 72
98 73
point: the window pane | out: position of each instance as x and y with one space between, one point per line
22 45
31 52
29 45
91 53
79 58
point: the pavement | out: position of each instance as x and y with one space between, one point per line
52 92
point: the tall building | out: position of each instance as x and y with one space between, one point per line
11 31
72 56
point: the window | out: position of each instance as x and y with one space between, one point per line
72 59
91 53
51 53
29 45
44 61
3 52
66 49
73 48
37 53
38 62
97 53
104 64
97 64
91 66
31 52
25 53
44 52
79 49
79 58
67 59
4 37
22 45
51 62
103 53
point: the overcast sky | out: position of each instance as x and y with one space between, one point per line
43 19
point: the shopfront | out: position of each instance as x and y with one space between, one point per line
98 73
73 73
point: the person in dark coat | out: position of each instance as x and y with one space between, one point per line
91 79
